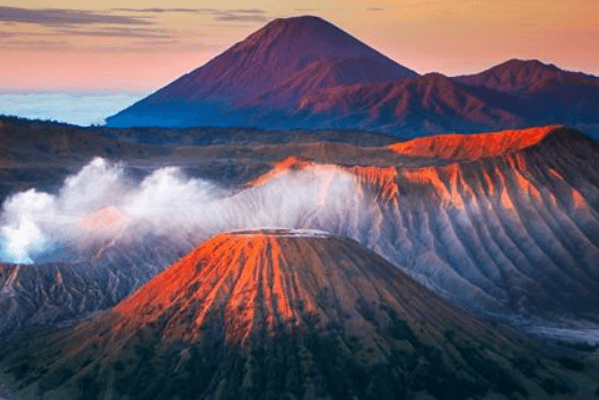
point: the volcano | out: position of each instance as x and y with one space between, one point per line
305 73
282 314
504 223
269 70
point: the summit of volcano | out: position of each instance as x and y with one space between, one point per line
270 70
283 314
305 73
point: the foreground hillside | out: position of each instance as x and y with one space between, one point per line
287 314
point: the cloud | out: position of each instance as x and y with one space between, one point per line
249 11
135 39
108 24
150 45
19 44
28 34
242 14
227 16
122 32
168 10
65 17
74 109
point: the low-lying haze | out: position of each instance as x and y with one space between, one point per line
79 109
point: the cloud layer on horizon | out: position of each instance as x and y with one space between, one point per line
83 110
72 18
244 15
130 24
65 17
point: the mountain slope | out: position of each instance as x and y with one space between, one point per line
505 224
80 283
284 314
525 76
287 59
304 73
429 103
540 93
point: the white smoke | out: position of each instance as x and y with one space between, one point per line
168 201
98 184
25 214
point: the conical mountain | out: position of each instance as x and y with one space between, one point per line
273 67
284 315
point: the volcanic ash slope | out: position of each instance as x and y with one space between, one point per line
284 315
504 223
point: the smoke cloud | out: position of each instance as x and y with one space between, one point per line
101 202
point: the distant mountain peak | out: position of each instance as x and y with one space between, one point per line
316 24
305 38
271 68
519 63
306 73
515 75
311 20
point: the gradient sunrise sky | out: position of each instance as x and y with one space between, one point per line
130 46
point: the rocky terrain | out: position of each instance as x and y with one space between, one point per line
287 314
268 231
503 224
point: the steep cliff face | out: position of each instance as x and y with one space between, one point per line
473 147
279 313
272 282
519 230
504 223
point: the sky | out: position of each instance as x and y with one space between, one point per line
108 46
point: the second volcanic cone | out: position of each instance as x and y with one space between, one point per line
281 314
280 281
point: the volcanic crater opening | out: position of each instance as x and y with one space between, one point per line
280 232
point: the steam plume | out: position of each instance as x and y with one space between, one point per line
100 201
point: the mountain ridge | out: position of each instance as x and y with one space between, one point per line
477 146
500 226
306 73
516 75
